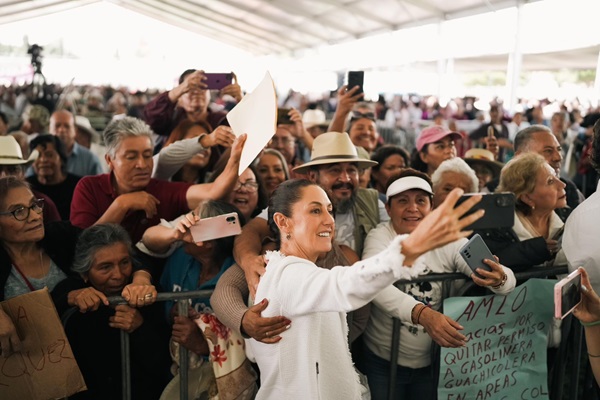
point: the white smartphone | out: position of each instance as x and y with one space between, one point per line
567 294
474 252
216 227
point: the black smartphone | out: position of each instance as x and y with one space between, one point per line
474 252
217 81
283 118
356 78
499 210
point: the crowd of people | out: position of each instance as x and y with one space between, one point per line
100 189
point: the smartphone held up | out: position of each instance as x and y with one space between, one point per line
567 294
216 227
217 81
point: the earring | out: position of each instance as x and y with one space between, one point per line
288 236
533 207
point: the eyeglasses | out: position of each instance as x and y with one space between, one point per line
22 213
250 186
358 115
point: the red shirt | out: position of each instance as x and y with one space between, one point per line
94 194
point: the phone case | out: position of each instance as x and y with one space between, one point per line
216 227
356 78
567 294
217 81
474 252
499 210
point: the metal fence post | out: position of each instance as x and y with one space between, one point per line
125 366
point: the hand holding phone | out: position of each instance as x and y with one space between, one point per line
216 227
567 294
217 81
474 252
283 117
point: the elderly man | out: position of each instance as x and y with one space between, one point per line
540 139
129 196
335 166
582 228
80 160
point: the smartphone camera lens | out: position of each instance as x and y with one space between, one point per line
230 219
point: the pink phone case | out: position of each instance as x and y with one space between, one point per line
216 227
573 278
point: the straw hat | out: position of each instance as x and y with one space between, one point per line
11 154
83 123
331 148
485 158
312 118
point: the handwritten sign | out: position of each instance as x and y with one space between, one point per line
505 357
45 368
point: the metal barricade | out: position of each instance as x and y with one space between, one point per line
532 273
182 309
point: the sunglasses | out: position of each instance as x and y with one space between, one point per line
358 115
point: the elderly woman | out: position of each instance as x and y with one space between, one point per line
409 202
391 160
51 176
129 196
32 256
434 145
104 263
316 299
533 237
272 168
451 174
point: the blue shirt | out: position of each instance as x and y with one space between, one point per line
181 274
83 162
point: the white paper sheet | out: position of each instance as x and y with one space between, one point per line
255 115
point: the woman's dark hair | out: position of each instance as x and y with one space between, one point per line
8 183
179 133
95 238
416 162
283 199
408 172
44 140
213 208
263 196
382 153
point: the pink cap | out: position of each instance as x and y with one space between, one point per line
434 134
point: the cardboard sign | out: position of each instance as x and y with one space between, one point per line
505 356
45 368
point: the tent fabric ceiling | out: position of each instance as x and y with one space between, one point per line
277 27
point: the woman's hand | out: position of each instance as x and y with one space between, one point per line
589 309
140 292
492 278
9 340
126 318
222 136
443 225
264 330
234 90
187 333
347 98
442 329
182 229
552 246
87 299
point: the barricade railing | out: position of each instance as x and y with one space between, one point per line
535 272
182 309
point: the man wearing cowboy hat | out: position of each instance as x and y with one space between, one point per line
335 166
12 163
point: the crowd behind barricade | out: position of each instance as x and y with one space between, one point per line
101 192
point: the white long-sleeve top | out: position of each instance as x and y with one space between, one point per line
170 159
312 360
415 343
